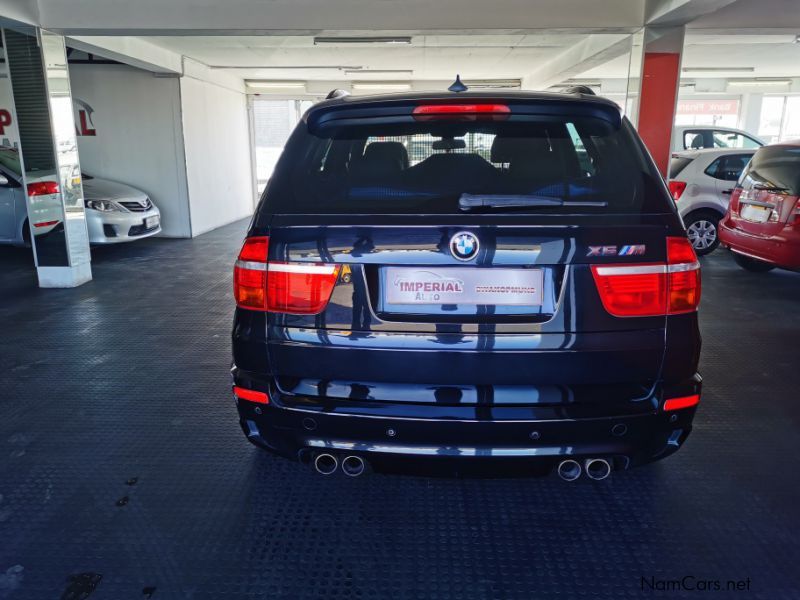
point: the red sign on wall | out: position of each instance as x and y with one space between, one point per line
708 107
5 120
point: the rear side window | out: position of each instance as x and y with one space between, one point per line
728 168
678 164
729 139
694 140
775 167
403 166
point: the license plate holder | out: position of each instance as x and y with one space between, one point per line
469 286
755 214
151 222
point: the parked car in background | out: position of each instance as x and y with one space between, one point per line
116 212
697 137
701 183
762 225
47 212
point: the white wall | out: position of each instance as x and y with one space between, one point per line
218 163
138 137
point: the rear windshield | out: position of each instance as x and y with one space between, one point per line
678 164
775 167
581 164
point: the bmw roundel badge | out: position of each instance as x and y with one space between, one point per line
464 245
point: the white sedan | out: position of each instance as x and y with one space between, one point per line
116 212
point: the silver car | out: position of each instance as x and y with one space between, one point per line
701 183
115 212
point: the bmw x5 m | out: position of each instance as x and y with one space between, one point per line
467 277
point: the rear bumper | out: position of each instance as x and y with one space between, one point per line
629 440
782 250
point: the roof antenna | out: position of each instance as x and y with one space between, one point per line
458 86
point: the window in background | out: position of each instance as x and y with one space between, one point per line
769 127
273 122
780 118
791 119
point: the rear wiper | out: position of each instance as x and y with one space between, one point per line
469 202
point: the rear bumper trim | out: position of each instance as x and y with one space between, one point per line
435 450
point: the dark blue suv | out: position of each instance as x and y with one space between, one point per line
495 278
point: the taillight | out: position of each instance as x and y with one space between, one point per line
464 112
42 188
676 188
682 402
46 223
796 213
250 274
296 288
683 276
250 395
652 289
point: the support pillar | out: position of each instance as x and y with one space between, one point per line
658 91
47 155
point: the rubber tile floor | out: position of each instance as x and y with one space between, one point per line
124 474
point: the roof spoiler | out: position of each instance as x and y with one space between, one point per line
580 89
337 93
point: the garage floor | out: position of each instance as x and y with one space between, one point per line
124 474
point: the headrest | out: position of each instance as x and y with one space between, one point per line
392 154
511 149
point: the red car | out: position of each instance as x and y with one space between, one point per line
762 225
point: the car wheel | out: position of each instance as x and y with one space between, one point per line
702 231
752 264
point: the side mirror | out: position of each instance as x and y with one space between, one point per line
3 180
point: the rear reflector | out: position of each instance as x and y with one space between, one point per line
42 188
45 223
682 402
250 395
676 188
652 289
295 288
467 112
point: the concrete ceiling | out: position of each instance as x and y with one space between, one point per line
539 42
429 57
488 56
768 55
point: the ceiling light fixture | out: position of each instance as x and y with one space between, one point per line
495 84
385 86
277 85
362 40
390 72
287 67
758 82
718 69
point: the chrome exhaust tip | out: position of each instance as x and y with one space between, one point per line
597 468
353 466
569 470
326 464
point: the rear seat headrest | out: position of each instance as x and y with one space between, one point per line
387 153
511 149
